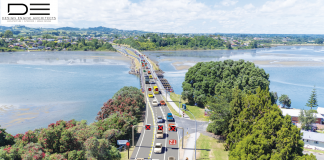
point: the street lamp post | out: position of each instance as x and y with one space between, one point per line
195 134
179 105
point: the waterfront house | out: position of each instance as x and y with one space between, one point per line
294 113
313 140
41 47
33 48
320 110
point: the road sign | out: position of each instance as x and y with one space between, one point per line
160 127
148 127
172 142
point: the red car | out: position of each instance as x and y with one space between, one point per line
162 103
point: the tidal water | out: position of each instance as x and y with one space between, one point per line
293 70
40 88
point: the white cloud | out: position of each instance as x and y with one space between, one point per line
249 6
228 2
186 16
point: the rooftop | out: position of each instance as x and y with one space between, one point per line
312 136
296 112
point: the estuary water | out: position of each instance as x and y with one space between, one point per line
293 70
39 88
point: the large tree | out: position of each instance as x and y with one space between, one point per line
312 101
8 34
217 78
306 118
260 131
128 99
285 101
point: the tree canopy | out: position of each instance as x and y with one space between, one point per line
307 118
312 101
219 78
285 101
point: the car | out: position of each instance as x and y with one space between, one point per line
155 102
171 124
158 148
171 158
159 119
152 82
162 103
151 77
170 117
150 95
159 134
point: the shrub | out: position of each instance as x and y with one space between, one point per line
5 138
100 149
33 151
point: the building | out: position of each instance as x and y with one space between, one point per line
313 140
294 113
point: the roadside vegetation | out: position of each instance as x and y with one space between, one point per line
198 112
243 110
77 140
210 148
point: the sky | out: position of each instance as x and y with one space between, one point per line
195 16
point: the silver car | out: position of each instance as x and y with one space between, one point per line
159 119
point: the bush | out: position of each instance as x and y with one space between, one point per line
128 99
33 151
5 138
99 149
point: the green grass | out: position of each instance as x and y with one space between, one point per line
311 150
174 112
214 149
124 154
198 112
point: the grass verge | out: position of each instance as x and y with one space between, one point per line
210 148
312 150
124 154
174 112
198 112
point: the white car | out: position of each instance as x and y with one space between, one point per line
155 102
158 148
159 119
171 158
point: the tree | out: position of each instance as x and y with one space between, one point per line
8 34
319 41
312 101
5 138
217 78
128 99
274 97
260 131
285 101
307 118
228 45
220 115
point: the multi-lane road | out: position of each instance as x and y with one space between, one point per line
145 145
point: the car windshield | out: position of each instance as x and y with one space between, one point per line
157 146
169 115
159 117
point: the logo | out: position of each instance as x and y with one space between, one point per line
29 11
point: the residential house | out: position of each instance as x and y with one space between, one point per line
40 47
59 41
50 39
313 140
67 40
10 46
74 43
48 48
33 48
294 113
16 44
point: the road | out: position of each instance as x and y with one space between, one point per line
145 145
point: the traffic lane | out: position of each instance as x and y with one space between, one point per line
158 112
144 145
173 148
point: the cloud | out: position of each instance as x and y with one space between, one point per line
228 2
187 16
249 6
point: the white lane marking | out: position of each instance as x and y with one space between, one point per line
143 134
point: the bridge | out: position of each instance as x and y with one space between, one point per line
144 147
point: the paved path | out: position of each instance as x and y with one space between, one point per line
190 147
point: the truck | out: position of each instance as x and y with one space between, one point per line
159 134
147 80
